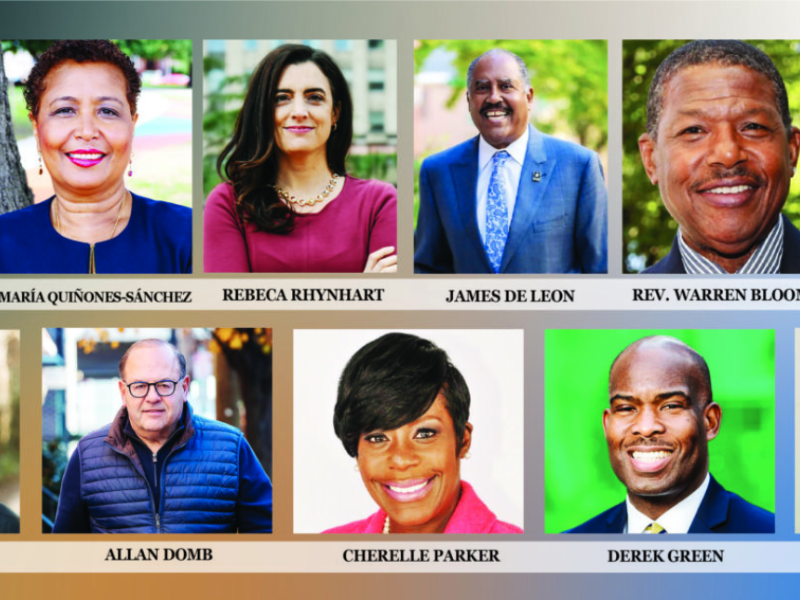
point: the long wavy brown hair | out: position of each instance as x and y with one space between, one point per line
250 162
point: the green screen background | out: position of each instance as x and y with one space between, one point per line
579 482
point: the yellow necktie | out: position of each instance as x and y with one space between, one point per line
654 528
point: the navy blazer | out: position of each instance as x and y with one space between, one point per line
559 220
790 263
720 512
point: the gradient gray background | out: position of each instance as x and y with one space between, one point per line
406 21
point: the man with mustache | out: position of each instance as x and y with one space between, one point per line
511 200
721 147
660 419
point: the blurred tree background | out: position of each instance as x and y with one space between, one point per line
9 419
648 229
569 78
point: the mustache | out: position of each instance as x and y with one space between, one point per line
721 173
643 442
496 106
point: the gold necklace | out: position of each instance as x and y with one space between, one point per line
387 525
311 201
57 224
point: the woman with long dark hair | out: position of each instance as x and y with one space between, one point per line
287 204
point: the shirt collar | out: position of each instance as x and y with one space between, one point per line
677 519
517 149
129 431
766 260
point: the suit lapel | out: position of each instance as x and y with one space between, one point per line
790 263
530 193
713 509
617 518
465 180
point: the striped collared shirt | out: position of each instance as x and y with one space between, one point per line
766 260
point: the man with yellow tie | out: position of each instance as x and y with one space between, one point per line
660 419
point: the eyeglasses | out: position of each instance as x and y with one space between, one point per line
140 389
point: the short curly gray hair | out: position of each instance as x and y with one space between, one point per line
722 52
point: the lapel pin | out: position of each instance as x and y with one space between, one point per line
537 177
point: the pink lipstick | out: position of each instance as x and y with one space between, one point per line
86 158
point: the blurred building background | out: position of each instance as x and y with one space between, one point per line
370 67
162 145
9 419
231 381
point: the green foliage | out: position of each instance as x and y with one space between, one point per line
571 75
648 229
19 113
373 166
179 50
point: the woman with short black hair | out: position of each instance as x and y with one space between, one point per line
403 412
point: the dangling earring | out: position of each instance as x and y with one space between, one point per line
41 165
334 127
130 167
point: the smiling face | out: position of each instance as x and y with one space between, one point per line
722 159
659 423
414 472
154 417
499 100
84 128
304 110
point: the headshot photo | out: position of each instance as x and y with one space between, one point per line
675 432
408 431
97 154
300 156
157 430
510 140
709 157
9 432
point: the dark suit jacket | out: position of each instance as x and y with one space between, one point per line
720 512
559 221
9 522
790 263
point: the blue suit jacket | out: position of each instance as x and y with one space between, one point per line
720 512
790 262
559 221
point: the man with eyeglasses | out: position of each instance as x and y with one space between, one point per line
159 468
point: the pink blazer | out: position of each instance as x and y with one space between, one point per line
471 516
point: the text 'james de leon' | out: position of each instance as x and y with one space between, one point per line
482 296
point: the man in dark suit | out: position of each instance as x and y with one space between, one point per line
658 425
511 200
721 147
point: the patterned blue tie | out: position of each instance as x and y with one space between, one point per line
496 212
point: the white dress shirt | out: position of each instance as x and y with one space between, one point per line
677 519
512 171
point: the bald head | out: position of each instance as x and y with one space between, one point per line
180 360
657 353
